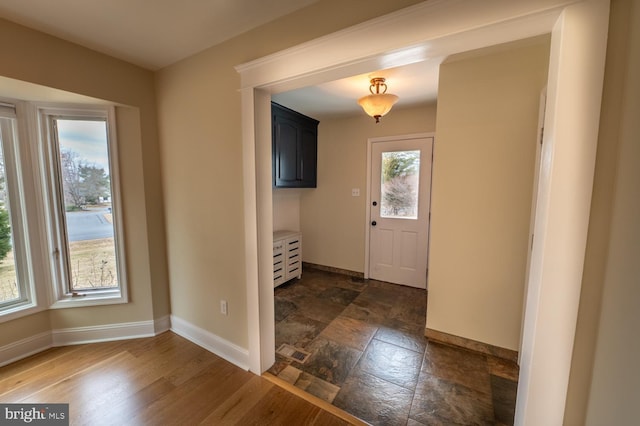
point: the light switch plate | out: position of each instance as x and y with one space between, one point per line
355 192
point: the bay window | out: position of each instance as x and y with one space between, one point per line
66 226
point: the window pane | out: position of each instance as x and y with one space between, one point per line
85 176
9 288
399 184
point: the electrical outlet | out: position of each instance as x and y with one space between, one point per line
355 192
224 308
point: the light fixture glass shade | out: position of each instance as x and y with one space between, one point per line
377 105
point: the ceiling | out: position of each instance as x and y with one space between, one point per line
148 33
414 84
156 33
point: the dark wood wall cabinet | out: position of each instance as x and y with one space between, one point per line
294 148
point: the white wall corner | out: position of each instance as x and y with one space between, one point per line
162 324
103 333
576 74
25 347
211 342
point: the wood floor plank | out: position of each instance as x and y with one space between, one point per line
242 401
94 385
125 412
201 362
188 401
116 381
51 369
33 361
176 360
279 407
163 380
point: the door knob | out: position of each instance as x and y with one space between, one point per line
374 223
375 203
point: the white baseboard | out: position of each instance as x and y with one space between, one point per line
162 324
211 342
79 335
102 333
26 347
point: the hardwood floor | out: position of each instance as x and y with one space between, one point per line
163 380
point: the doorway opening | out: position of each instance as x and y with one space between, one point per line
573 132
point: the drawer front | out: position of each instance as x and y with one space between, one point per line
278 277
279 263
293 253
293 244
293 267
278 268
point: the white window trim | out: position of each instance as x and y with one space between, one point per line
16 205
58 296
29 228
34 225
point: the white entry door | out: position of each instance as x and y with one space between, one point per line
400 192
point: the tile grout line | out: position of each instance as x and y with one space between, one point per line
375 336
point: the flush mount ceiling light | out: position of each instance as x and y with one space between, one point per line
378 103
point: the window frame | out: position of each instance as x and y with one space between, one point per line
23 230
60 293
32 224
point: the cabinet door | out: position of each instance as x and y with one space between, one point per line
285 152
295 143
308 153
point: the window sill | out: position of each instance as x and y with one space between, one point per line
19 311
30 308
90 299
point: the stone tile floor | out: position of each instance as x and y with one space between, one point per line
370 358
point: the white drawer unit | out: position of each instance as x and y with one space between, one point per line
287 256
278 263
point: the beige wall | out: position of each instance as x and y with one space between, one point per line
44 60
615 388
482 187
603 387
201 151
332 221
286 208
201 148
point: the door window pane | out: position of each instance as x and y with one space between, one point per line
86 189
400 173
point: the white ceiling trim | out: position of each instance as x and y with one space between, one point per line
429 29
